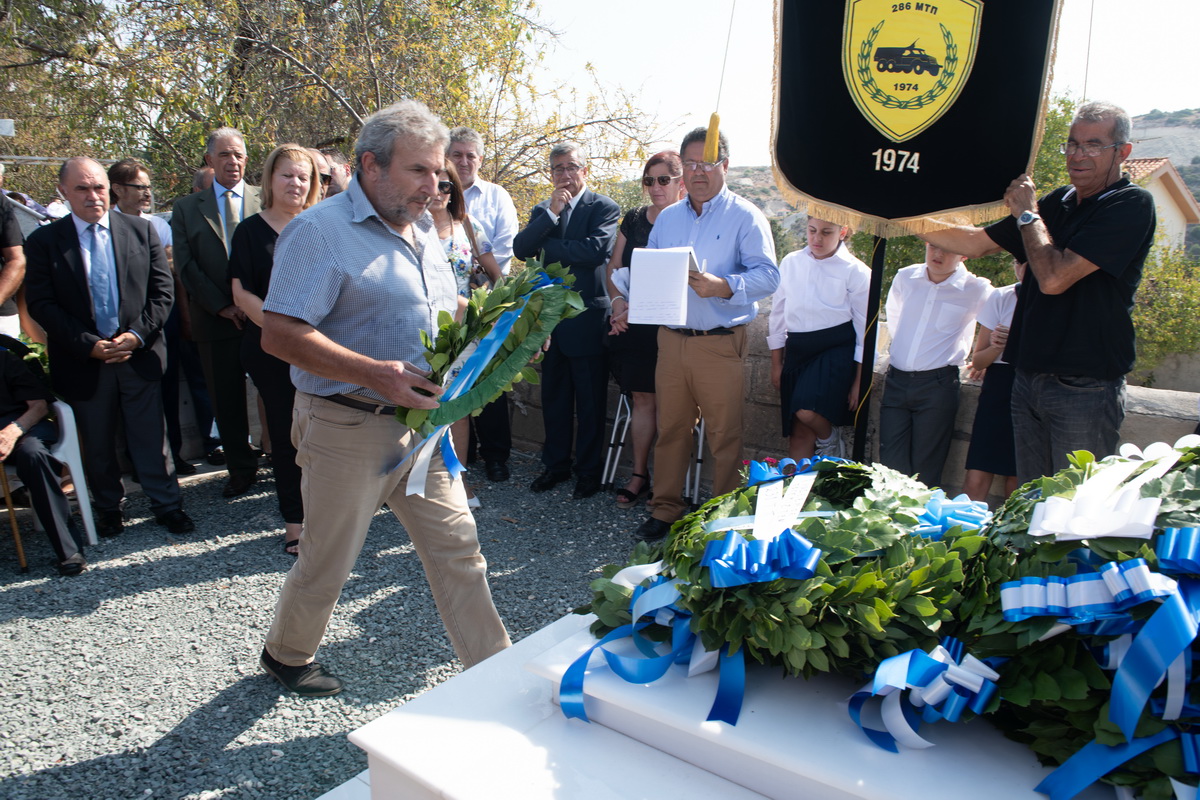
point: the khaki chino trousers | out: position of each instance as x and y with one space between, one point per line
348 458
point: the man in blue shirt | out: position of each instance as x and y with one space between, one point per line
701 365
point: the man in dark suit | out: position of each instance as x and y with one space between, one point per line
99 284
575 227
202 225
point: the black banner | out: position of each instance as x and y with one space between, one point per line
890 111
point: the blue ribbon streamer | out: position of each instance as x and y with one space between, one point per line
942 514
736 560
1093 762
1178 550
1190 743
1167 633
731 687
1068 598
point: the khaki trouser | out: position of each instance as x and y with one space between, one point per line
697 375
348 457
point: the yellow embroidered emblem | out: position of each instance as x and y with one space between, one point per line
906 63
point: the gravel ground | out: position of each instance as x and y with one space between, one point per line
140 677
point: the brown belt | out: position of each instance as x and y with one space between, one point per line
350 402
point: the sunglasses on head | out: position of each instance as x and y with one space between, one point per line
445 186
663 180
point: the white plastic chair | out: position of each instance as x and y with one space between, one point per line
67 450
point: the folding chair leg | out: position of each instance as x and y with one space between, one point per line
616 441
12 519
691 481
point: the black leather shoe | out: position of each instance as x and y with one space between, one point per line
184 468
586 487
497 471
109 524
72 566
549 479
176 521
216 457
238 484
310 680
652 530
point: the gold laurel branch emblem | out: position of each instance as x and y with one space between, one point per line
891 101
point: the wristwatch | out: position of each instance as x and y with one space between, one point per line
1026 218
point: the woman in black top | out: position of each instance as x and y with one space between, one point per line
290 185
634 348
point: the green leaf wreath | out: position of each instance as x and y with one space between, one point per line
542 308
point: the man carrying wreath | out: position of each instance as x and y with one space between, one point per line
1072 337
356 279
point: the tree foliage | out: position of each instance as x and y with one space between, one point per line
1166 312
150 78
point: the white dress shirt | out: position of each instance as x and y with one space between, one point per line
998 310
161 226
819 293
491 206
932 325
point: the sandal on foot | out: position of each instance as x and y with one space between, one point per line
628 499
288 545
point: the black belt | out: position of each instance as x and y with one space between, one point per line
924 372
350 402
709 332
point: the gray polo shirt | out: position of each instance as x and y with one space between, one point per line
341 269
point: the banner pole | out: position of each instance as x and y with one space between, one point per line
861 419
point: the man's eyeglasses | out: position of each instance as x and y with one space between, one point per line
693 166
445 186
326 179
1088 149
563 168
662 180
141 187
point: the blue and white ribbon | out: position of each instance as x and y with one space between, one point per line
941 685
1079 599
941 514
766 472
736 560
1178 551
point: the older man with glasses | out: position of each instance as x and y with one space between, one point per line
575 227
1072 337
701 368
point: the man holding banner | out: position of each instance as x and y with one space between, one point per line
1072 337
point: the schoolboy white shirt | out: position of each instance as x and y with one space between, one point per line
932 325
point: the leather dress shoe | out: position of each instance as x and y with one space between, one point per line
176 521
586 487
72 566
110 524
309 680
184 468
239 484
497 471
652 530
216 456
549 479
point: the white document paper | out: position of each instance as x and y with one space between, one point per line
658 285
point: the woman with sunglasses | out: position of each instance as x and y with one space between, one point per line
470 254
634 348
290 184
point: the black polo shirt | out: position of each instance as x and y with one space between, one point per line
10 236
1088 329
17 385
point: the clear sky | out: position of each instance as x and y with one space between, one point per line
668 54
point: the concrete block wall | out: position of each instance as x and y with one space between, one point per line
1151 415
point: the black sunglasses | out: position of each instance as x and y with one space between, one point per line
663 180
445 186
326 179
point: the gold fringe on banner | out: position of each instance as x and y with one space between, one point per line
887 228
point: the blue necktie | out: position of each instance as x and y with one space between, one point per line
103 283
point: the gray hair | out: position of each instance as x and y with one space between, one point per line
201 177
222 133
410 120
66 166
700 135
465 135
1122 129
569 149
